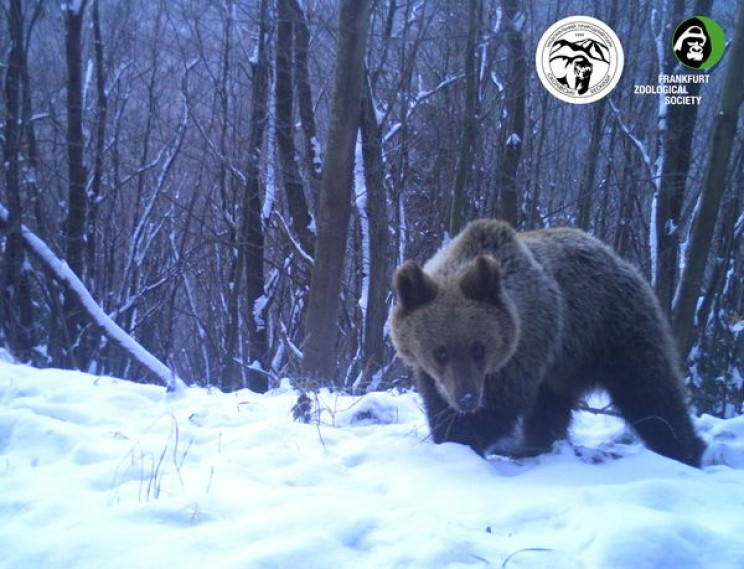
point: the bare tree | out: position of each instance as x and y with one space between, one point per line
677 141
252 228
714 182
285 126
377 273
319 351
250 243
77 203
301 77
467 136
31 157
16 314
100 143
515 109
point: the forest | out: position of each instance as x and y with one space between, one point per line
232 183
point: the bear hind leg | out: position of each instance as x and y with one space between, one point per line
653 403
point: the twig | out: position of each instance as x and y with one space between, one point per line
606 410
518 551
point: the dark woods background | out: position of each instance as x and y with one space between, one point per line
173 153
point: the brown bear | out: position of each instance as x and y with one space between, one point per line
504 328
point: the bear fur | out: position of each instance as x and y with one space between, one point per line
503 327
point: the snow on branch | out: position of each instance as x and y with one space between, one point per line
654 173
421 97
636 142
294 350
304 255
168 155
65 276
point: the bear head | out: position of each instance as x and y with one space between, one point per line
458 329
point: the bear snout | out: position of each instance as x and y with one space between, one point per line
468 402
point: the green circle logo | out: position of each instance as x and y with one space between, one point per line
698 42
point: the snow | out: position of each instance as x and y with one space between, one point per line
317 156
360 200
739 225
88 80
75 6
683 252
259 309
392 131
496 27
99 472
402 230
270 196
513 140
653 236
495 81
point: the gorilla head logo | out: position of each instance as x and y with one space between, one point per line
577 71
573 63
582 70
692 44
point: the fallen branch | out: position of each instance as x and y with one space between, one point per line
72 284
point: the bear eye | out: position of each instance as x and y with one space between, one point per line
441 356
477 352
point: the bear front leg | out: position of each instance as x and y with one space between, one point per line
548 419
478 430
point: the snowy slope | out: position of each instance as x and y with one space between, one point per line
103 473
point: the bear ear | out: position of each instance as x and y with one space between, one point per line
413 287
482 280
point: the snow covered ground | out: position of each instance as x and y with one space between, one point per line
102 473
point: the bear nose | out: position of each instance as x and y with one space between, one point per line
468 402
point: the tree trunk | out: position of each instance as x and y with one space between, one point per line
293 186
253 229
16 315
374 176
587 186
627 188
304 93
721 141
677 142
250 247
467 138
100 141
590 171
515 103
77 198
321 317
32 150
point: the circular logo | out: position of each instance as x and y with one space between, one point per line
579 59
698 42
